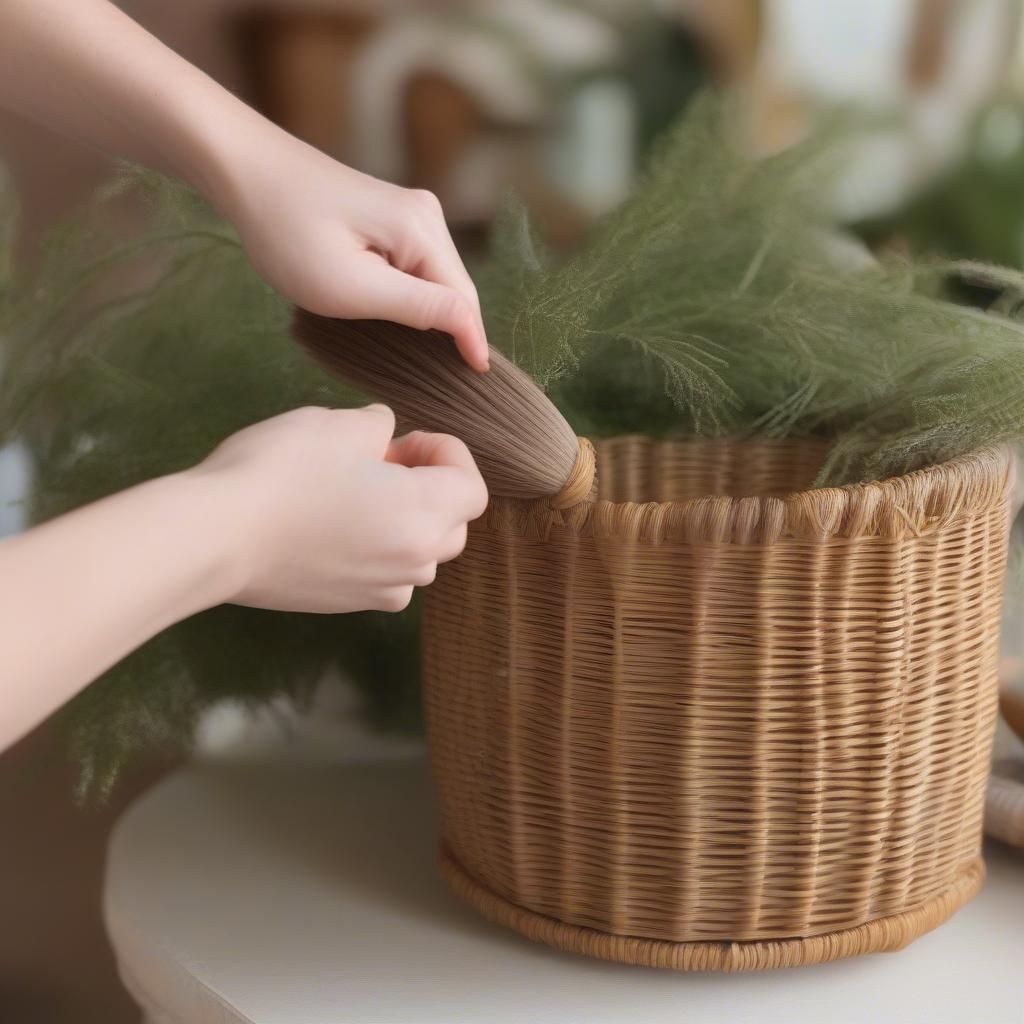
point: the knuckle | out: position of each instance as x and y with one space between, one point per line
424 199
445 306
311 417
411 547
460 310
458 443
374 420
481 499
379 409
421 320
456 549
396 600
425 575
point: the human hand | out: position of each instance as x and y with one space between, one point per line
325 512
315 510
343 244
335 241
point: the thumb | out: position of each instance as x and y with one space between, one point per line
385 293
371 428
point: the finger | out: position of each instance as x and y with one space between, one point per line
454 544
424 575
445 267
421 244
372 426
382 292
455 495
435 258
390 599
444 468
420 448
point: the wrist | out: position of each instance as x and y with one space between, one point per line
227 147
205 537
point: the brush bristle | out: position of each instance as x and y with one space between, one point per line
521 442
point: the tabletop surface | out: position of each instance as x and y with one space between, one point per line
304 890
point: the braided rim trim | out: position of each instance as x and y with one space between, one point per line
885 934
918 503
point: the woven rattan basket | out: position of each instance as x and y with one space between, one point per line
709 719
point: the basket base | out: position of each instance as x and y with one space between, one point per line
883 935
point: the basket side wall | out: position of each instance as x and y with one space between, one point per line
699 741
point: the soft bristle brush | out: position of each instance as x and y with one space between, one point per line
521 442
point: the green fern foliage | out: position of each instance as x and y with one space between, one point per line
721 298
127 360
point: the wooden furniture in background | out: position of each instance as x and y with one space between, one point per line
297 65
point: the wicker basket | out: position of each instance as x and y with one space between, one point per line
678 725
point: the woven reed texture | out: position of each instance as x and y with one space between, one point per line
707 706
883 935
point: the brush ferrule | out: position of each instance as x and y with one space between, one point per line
579 485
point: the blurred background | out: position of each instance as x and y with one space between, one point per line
558 99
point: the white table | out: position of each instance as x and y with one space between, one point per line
303 890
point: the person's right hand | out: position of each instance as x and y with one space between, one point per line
328 513
343 244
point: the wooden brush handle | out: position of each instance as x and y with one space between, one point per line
521 442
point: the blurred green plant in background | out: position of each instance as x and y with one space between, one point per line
975 209
132 359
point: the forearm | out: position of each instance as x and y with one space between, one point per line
325 236
85 69
82 591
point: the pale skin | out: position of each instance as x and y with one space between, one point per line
316 510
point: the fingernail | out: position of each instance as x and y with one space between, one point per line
378 407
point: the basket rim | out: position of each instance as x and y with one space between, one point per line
913 504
